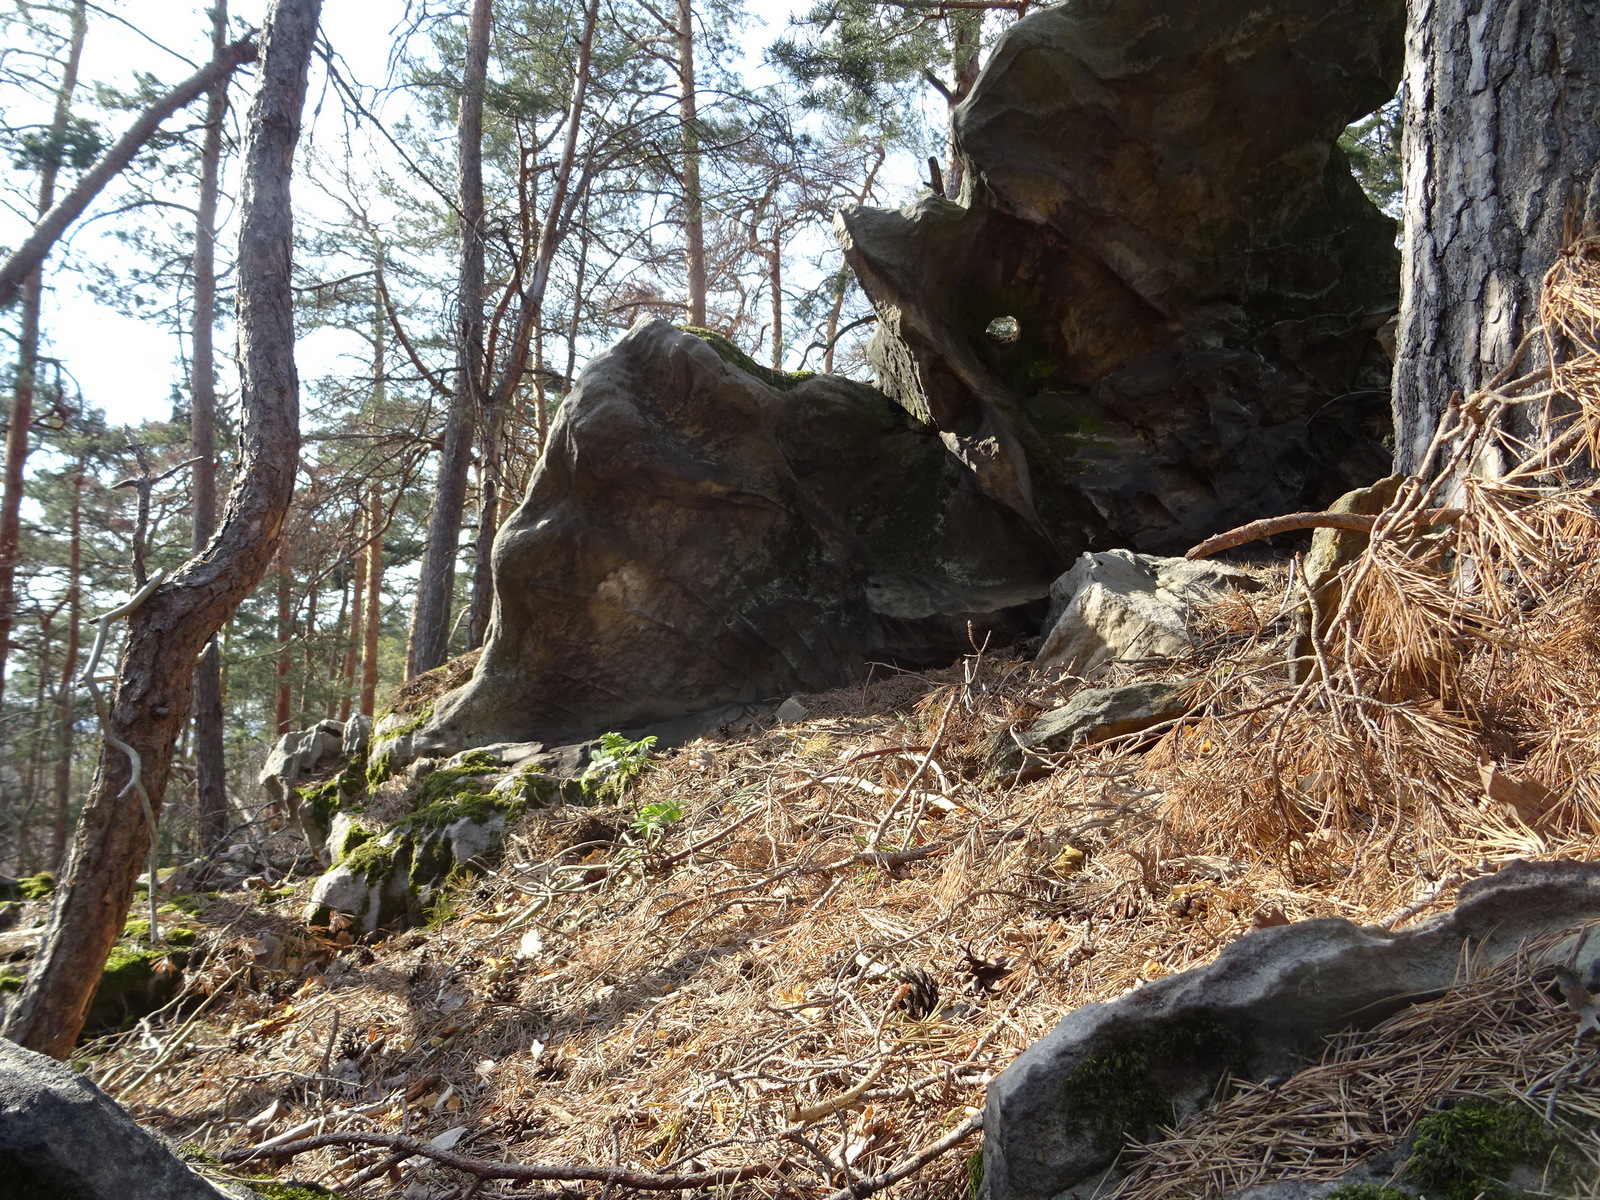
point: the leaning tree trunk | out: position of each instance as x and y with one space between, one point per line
165 635
1502 140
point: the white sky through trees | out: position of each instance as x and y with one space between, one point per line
128 366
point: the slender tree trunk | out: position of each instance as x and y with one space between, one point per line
283 707
775 284
175 622
966 28
843 278
558 219
20 427
355 600
369 653
1502 139
694 234
66 709
211 785
430 620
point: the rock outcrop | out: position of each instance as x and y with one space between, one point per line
1093 715
60 1136
1058 1115
1155 312
694 535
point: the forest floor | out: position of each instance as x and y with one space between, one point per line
803 949
794 955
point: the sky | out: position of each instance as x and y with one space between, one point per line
128 366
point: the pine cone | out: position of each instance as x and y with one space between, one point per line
917 995
505 991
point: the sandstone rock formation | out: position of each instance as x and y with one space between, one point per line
694 535
1093 715
1260 1010
1154 313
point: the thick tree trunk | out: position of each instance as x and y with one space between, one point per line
694 232
175 622
1502 139
211 787
20 425
430 620
966 28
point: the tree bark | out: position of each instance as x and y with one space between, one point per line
430 620
369 652
28 256
966 27
694 233
172 626
1502 139
211 786
283 696
557 221
66 709
20 427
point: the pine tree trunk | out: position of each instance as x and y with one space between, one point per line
211 785
775 283
152 698
1502 139
355 600
66 708
694 233
20 426
283 698
430 620
369 653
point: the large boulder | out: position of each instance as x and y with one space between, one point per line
62 1138
696 534
1060 1113
1154 312
297 756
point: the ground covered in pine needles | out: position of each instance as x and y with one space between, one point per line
794 954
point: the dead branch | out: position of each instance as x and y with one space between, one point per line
1271 526
483 1169
876 1183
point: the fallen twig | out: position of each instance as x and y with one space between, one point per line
876 1183
482 1169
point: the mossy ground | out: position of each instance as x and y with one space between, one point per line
1467 1152
1365 1191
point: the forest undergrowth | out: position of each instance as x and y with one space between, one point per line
796 953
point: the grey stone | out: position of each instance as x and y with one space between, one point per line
357 736
296 756
1093 715
60 1136
697 537
1118 604
1154 196
791 710
1262 1008
341 890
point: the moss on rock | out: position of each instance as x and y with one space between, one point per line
36 887
785 381
1469 1151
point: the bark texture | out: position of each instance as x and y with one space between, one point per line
1502 138
430 620
152 699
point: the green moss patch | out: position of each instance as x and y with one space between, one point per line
130 986
1468 1151
36 887
11 980
292 1189
785 381
1365 1191
1118 1091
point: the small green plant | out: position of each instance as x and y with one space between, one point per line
1466 1152
615 767
652 819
